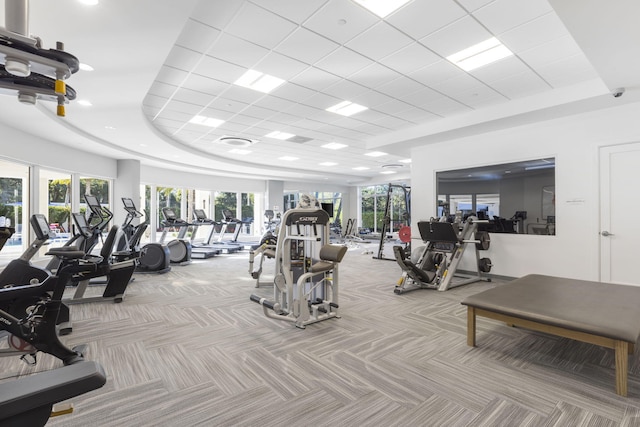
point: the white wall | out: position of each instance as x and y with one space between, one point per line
173 178
574 142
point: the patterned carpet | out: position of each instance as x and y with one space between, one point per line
188 348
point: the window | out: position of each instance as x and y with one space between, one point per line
14 186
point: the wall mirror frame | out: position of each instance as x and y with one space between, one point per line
516 197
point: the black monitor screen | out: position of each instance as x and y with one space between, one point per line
92 201
41 226
169 214
128 203
328 208
200 215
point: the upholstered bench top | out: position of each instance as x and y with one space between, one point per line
604 309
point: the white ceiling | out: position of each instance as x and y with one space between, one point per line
157 63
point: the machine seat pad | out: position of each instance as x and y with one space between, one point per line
603 309
333 253
412 270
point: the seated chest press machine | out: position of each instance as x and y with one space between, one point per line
438 261
306 280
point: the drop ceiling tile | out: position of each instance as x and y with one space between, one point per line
393 108
472 5
245 120
237 51
188 96
162 90
553 51
340 21
321 101
379 41
153 102
420 18
197 36
260 26
410 58
293 92
374 75
503 15
275 103
294 10
216 14
418 116
464 89
233 128
345 90
284 118
400 87
422 96
306 46
199 83
520 85
172 114
310 125
280 66
242 94
568 71
372 99
445 107
457 36
258 112
436 73
226 104
343 62
534 33
182 59
500 69
220 70
315 79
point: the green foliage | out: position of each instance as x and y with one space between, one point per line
59 215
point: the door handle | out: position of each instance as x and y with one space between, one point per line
605 233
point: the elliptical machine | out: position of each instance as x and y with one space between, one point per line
152 257
179 249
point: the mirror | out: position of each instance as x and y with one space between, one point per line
514 197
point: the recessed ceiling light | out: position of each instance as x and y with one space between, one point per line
279 135
85 67
361 168
143 145
85 103
288 158
346 108
110 127
387 172
206 121
405 161
328 164
481 54
381 8
239 151
334 146
375 154
256 80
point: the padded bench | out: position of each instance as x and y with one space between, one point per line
593 312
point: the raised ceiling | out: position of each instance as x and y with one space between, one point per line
157 64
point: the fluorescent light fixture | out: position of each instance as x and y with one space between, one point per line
387 172
361 168
334 146
481 54
375 154
405 161
206 121
346 108
85 67
381 8
288 158
279 135
85 103
239 151
328 164
256 80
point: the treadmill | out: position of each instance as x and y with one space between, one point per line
198 250
200 218
201 249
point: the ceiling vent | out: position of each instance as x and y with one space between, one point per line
299 139
392 166
235 141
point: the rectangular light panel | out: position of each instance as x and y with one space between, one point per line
261 82
279 135
481 54
346 108
334 146
206 121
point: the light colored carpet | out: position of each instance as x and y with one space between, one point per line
188 348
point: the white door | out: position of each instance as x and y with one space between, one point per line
620 213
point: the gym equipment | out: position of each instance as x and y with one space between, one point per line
202 249
180 248
266 248
306 280
21 271
5 234
603 314
153 257
437 262
405 218
29 401
218 244
29 70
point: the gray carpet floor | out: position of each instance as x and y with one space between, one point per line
188 348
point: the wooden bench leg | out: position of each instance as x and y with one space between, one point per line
471 326
622 362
